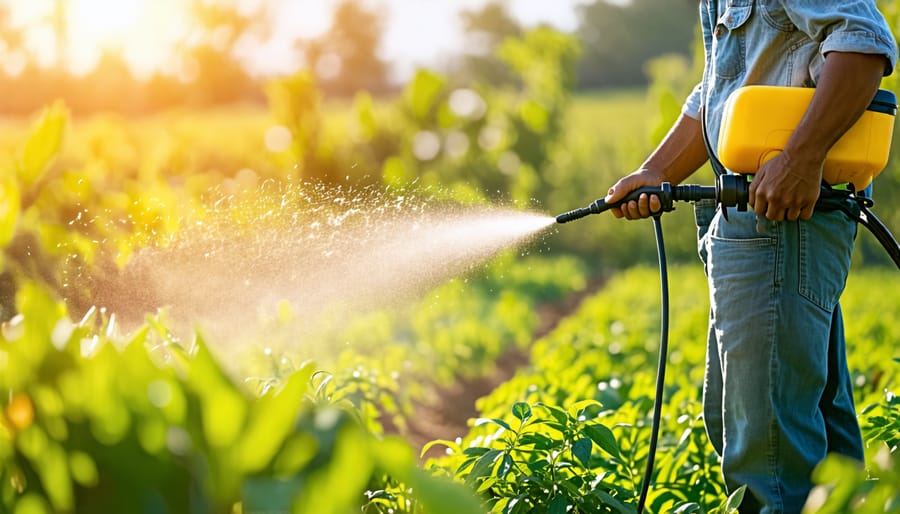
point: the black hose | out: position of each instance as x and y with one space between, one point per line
661 367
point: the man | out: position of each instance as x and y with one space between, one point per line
777 394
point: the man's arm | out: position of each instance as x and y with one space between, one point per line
679 155
787 186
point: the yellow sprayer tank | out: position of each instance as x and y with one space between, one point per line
759 120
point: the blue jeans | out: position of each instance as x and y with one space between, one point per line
777 395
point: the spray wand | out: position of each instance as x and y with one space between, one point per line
729 191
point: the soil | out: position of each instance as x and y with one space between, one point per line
446 414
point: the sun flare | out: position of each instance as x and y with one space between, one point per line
104 20
136 29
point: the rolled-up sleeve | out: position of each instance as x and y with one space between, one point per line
845 26
691 107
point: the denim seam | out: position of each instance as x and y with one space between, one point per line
772 22
758 242
777 290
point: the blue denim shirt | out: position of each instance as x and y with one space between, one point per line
780 43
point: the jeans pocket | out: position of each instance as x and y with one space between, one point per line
742 262
826 247
741 288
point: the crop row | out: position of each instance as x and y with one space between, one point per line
572 430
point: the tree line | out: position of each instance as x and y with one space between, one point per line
617 39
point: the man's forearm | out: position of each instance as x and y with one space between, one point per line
681 152
679 155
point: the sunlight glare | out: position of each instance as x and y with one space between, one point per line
121 26
104 18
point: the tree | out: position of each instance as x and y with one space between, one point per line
109 85
345 59
619 38
210 61
485 29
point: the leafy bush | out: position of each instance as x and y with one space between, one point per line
94 422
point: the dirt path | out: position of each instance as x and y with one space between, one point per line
446 414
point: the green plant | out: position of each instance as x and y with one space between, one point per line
845 486
96 422
543 462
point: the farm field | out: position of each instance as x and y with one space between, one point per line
519 381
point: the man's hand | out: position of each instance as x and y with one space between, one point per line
679 154
785 189
646 205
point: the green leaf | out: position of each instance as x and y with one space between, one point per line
734 500
558 505
486 484
610 501
557 413
516 505
445 442
522 411
476 450
688 508
271 420
484 466
581 449
603 437
500 422
422 93
43 143
505 466
339 483
537 468
577 408
466 465
538 441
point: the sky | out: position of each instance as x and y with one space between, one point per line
418 32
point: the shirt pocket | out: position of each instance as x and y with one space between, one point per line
730 39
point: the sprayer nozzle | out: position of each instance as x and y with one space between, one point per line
596 207
573 215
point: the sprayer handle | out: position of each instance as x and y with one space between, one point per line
663 191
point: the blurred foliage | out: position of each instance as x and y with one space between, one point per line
210 68
488 141
485 30
619 38
96 422
345 60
